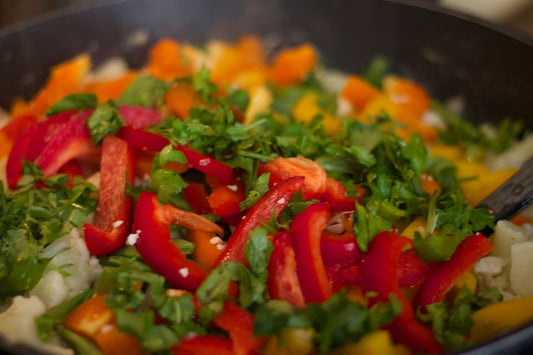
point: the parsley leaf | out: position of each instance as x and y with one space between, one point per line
451 322
145 91
73 102
167 155
336 321
240 99
376 71
104 121
202 84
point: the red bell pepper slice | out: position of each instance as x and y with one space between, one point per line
239 323
306 233
283 283
207 165
196 196
16 126
336 196
411 270
71 141
151 222
281 169
72 168
339 249
442 275
273 201
139 117
112 217
143 140
31 143
378 272
204 344
225 200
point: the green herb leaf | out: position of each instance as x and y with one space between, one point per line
258 249
167 155
376 71
168 186
55 316
80 344
145 91
104 121
240 99
73 102
202 84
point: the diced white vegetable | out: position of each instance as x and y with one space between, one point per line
505 235
521 273
344 108
433 119
94 179
17 325
331 80
111 69
489 266
70 254
514 157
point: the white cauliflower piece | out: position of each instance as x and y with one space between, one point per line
505 235
489 266
17 325
69 253
514 157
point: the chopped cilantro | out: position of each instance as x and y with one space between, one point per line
73 102
104 121
145 91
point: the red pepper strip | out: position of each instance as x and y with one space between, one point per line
196 196
306 232
204 344
139 117
240 325
151 222
72 141
143 140
336 196
117 167
378 272
411 270
273 201
225 200
207 165
73 169
283 283
16 126
339 249
31 143
442 275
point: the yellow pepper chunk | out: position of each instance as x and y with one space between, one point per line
298 341
483 181
417 225
260 100
375 343
449 152
307 107
467 279
501 317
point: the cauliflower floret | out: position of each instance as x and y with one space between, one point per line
17 325
69 253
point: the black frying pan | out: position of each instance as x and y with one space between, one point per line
451 55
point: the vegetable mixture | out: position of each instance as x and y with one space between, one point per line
218 201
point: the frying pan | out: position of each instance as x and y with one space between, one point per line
452 55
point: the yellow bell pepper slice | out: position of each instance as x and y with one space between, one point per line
375 343
501 317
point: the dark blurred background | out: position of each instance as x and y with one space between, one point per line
516 13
